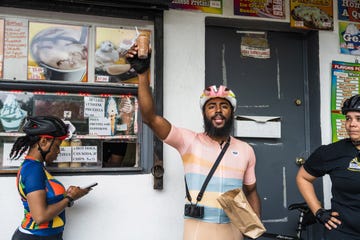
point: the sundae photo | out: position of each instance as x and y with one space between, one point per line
111 46
62 52
11 115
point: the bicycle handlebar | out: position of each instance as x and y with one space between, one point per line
306 218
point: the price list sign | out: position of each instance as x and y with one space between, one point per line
344 84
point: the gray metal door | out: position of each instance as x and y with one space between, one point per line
275 86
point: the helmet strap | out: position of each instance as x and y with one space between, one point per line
44 153
356 143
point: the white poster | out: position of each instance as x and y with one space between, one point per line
94 107
64 155
84 154
15 48
7 162
100 126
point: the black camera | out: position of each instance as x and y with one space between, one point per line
192 210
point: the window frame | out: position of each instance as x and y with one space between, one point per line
150 147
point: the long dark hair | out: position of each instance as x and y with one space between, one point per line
21 145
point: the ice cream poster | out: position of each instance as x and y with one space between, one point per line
1 46
208 6
112 116
349 35
349 10
126 124
111 47
12 113
260 8
57 52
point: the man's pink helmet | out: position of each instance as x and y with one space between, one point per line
218 92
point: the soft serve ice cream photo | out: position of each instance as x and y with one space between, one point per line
11 115
112 113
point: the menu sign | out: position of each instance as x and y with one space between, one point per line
15 48
344 84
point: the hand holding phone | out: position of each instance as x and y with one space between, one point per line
90 185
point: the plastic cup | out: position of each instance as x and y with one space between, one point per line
143 46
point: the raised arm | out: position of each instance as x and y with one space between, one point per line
160 126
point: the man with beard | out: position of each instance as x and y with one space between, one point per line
199 152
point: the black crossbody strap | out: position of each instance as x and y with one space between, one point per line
212 170
188 196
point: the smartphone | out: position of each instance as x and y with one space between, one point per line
90 185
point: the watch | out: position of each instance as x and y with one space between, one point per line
71 201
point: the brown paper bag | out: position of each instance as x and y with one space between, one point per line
241 213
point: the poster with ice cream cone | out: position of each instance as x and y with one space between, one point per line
111 45
57 52
112 113
13 110
120 116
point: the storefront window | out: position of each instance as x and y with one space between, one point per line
106 134
76 70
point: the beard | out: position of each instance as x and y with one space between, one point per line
224 131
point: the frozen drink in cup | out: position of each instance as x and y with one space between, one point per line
143 46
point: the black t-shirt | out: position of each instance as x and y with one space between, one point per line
341 161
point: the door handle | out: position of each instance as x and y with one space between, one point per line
300 161
298 102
